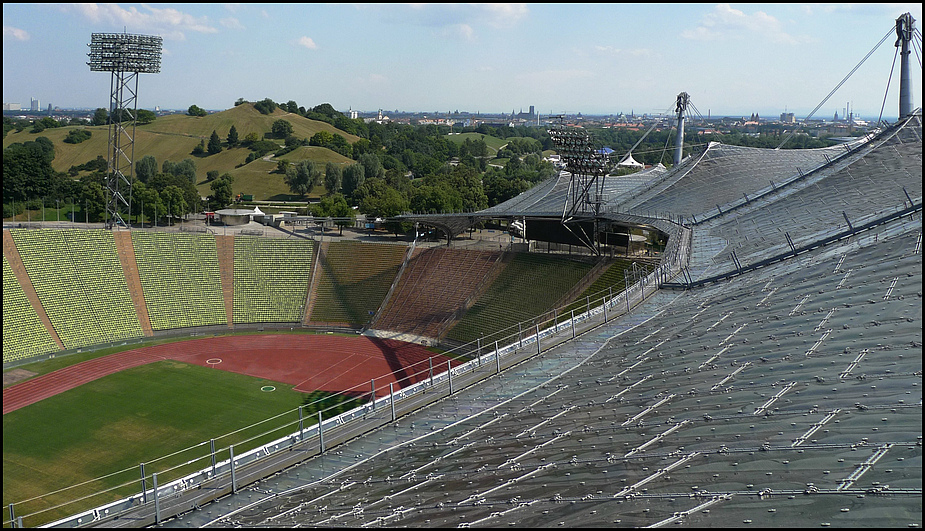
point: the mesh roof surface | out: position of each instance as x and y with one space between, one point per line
787 396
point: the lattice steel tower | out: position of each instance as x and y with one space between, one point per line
125 56
588 167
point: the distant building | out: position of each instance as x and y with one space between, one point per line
34 105
12 106
787 118
379 119
524 116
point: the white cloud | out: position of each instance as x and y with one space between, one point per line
168 22
503 15
9 32
307 42
725 22
617 52
231 23
452 20
463 31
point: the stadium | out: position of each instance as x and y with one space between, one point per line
762 367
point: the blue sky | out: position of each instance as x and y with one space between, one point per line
592 58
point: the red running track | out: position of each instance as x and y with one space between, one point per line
307 362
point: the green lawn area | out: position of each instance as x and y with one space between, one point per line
494 143
124 419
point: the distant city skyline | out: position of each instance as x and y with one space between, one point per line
594 59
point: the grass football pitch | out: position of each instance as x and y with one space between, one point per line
119 421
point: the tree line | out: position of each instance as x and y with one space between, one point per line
396 168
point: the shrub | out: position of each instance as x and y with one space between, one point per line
77 136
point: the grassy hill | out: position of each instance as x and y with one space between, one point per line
494 144
174 137
246 120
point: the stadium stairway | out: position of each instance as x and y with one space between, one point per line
126 252
486 282
599 269
319 251
15 261
225 250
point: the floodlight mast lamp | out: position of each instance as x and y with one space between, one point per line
125 56
588 167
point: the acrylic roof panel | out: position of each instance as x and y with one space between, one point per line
724 173
873 182
787 396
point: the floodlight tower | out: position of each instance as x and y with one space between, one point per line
588 167
125 56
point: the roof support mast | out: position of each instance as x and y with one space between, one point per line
681 108
905 26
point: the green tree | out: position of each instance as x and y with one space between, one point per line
353 177
250 138
321 138
93 199
335 206
436 198
186 168
100 117
232 137
340 145
281 128
265 106
148 202
145 116
76 136
332 178
215 144
377 199
372 166
173 197
222 193
302 177
146 168
195 110
27 171
200 149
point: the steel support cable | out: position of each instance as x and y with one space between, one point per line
842 82
699 115
665 149
887 91
916 49
643 137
